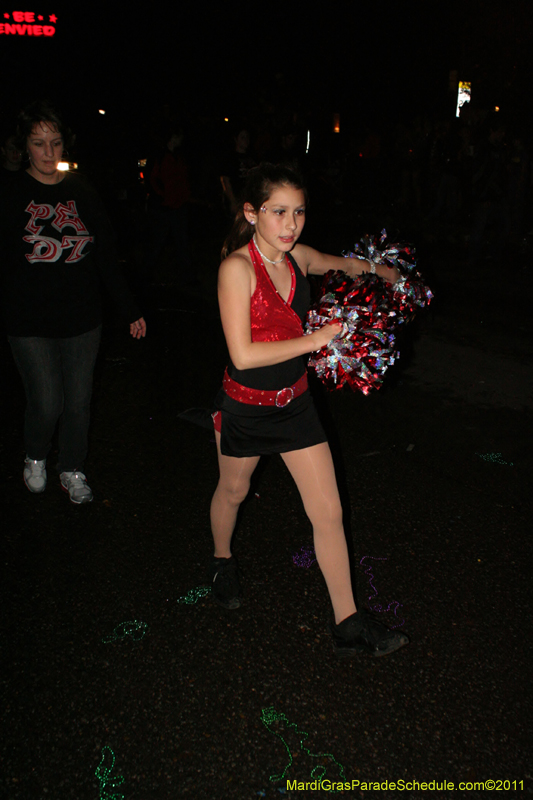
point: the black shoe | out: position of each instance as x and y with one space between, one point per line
361 633
224 576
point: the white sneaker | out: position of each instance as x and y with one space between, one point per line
75 483
35 475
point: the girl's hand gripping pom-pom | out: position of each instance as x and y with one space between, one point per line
371 309
325 334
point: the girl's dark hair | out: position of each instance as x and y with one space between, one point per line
33 114
260 184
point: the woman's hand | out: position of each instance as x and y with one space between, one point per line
325 334
138 328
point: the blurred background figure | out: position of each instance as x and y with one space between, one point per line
11 156
519 178
234 170
288 151
169 193
489 192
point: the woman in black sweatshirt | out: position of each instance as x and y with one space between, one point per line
56 248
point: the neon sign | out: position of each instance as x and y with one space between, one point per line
27 23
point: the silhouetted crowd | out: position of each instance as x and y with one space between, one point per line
466 179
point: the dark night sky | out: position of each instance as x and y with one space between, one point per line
385 62
225 54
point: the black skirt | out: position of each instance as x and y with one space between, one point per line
248 430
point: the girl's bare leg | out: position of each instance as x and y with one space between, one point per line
233 486
314 475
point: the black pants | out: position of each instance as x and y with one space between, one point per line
58 378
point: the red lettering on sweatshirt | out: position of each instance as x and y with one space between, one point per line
38 211
68 215
46 248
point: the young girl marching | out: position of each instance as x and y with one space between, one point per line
264 405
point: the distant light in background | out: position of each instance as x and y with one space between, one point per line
101 111
226 119
66 166
336 123
496 108
308 141
464 94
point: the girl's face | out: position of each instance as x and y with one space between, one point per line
45 147
280 220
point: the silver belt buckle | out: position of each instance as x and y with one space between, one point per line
283 399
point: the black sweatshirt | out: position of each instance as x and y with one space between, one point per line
56 247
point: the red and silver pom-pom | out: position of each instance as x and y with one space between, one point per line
371 310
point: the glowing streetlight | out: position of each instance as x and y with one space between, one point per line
464 94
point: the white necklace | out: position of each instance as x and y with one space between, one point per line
264 257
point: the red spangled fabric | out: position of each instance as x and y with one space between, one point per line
371 310
272 319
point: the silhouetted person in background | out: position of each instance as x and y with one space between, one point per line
11 157
234 171
489 192
167 207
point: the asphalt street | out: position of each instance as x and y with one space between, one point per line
116 662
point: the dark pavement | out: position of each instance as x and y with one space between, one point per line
205 703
